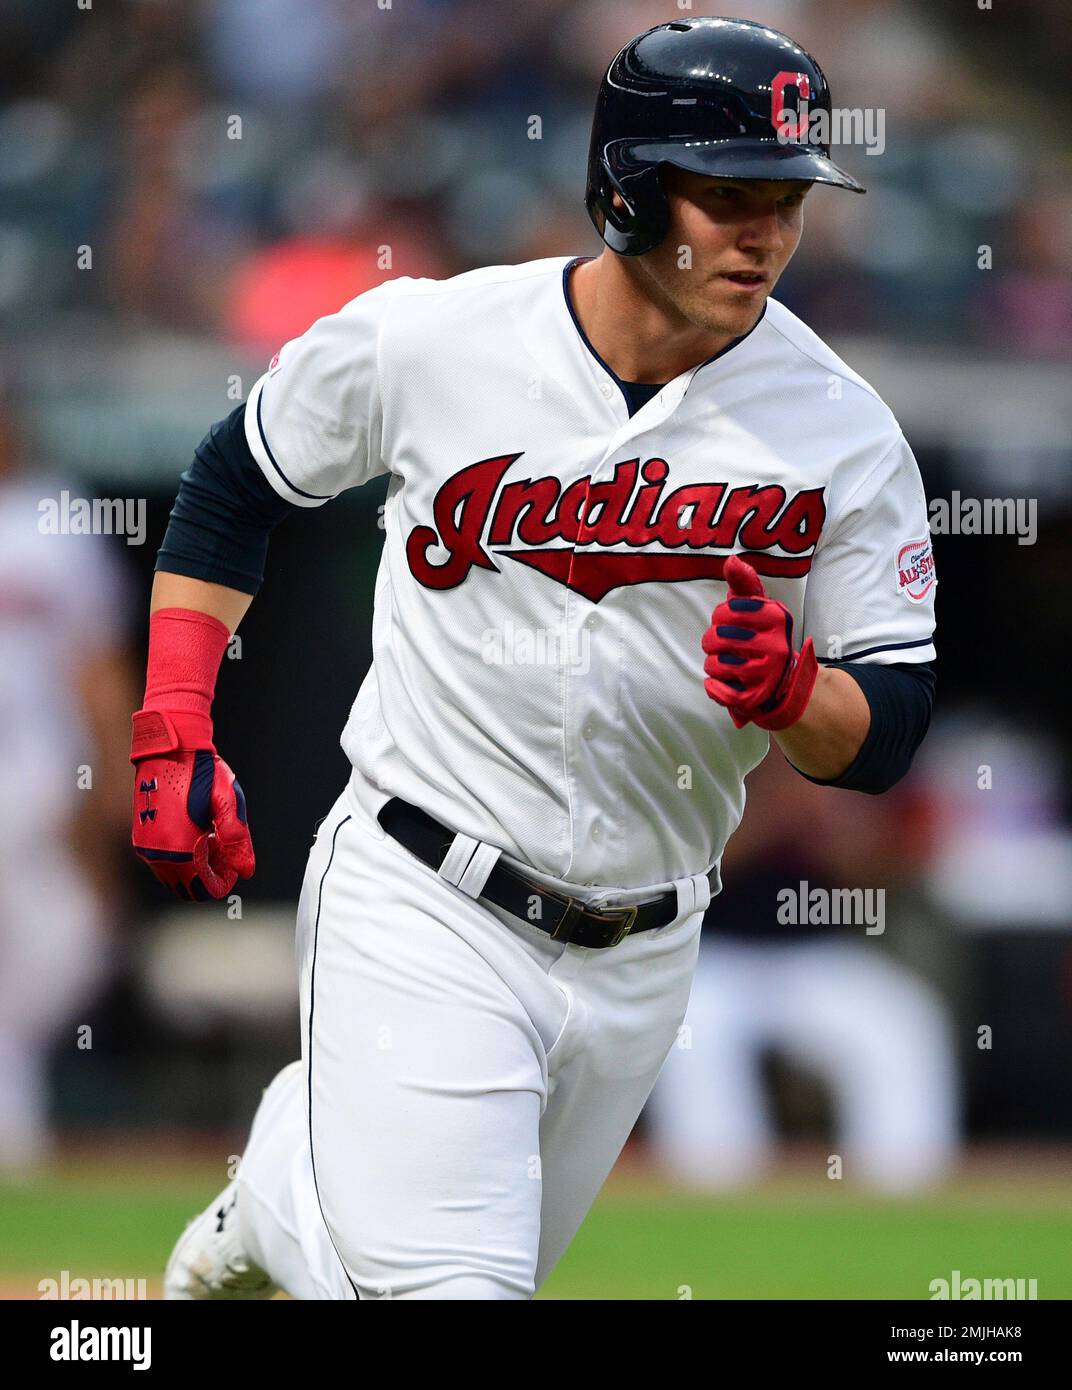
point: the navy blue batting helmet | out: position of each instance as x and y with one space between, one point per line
723 97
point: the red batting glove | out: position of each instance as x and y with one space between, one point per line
189 821
752 667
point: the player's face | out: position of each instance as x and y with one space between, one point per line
740 235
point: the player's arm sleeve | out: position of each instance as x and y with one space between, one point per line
901 698
224 512
870 591
869 609
313 422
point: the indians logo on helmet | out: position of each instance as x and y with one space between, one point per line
788 126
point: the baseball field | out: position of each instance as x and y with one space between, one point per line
792 1237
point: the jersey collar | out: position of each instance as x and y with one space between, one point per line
579 260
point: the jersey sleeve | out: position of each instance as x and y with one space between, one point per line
870 592
313 421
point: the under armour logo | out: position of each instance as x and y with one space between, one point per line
147 788
222 1214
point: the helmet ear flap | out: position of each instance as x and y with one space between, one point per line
641 224
622 218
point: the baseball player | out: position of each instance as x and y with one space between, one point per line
639 518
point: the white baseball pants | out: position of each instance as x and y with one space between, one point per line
466 1082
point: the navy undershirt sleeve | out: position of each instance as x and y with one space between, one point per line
901 698
224 512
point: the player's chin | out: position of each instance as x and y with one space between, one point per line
729 311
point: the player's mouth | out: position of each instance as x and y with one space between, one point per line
747 281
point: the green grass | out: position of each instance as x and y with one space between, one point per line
638 1243
115 1228
767 1248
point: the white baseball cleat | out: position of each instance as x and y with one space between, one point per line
208 1260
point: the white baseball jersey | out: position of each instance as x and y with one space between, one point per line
551 563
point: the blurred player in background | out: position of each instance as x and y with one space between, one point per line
65 686
829 998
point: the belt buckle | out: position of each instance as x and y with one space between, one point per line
628 917
623 918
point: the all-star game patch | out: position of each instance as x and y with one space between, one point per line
916 576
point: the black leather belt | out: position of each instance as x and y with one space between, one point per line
562 918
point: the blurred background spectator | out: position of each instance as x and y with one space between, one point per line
184 185
65 688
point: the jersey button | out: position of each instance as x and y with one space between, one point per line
606 390
591 622
597 831
589 731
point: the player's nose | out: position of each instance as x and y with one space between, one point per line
762 231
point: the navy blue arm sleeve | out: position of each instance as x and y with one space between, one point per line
901 698
224 512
